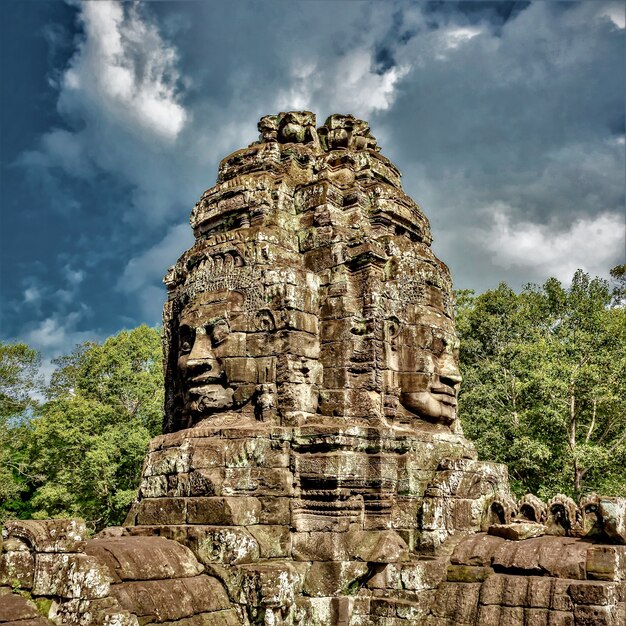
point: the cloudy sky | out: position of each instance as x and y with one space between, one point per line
506 119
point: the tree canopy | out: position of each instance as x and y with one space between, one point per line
19 382
544 391
84 445
544 386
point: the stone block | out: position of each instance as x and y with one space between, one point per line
312 521
561 600
476 549
539 593
489 615
560 618
229 576
492 591
17 568
457 601
606 562
468 573
517 531
383 607
592 592
174 460
536 617
55 535
14 607
613 514
255 452
515 590
372 546
415 611
561 557
320 546
95 612
154 486
227 617
222 544
169 600
275 510
404 512
224 511
512 615
334 578
144 558
588 615
423 574
386 576
70 576
323 611
273 584
256 481
201 482
273 541
162 511
206 453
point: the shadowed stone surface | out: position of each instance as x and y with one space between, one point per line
312 469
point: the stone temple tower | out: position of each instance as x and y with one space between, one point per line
312 469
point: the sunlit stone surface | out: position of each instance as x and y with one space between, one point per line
312 463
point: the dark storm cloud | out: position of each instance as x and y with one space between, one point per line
506 119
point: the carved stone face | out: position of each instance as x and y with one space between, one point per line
206 347
311 291
429 375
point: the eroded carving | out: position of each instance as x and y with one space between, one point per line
312 459
340 267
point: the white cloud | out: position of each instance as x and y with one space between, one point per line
455 36
616 12
125 69
74 277
57 335
119 97
53 334
350 83
593 244
522 113
32 295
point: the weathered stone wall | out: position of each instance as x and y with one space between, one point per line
313 470
298 521
45 565
50 574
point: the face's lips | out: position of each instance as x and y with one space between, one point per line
204 379
445 394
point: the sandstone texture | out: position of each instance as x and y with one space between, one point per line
312 469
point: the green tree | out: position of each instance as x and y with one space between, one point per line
88 441
19 382
545 384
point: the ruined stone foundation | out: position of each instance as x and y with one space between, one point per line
312 469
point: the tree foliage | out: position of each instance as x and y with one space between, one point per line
544 391
85 444
19 381
544 386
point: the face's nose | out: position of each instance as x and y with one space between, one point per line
449 371
202 358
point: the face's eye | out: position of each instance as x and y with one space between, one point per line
219 331
438 346
264 321
393 328
186 339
